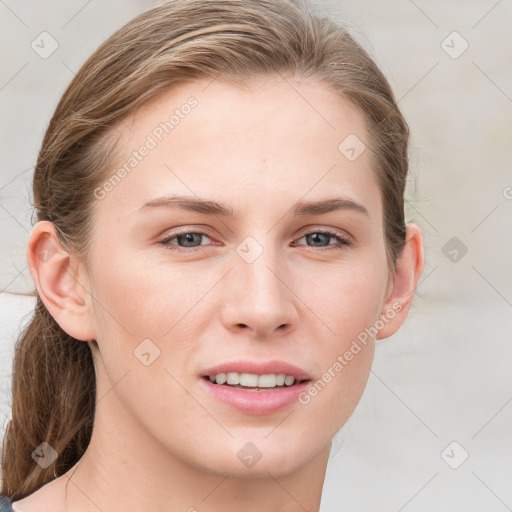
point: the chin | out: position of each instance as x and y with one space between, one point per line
253 456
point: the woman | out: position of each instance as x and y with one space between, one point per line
220 242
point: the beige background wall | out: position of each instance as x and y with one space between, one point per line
446 375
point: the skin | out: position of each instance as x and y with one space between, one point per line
160 442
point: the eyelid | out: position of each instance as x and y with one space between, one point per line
184 231
327 230
343 239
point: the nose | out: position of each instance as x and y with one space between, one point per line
259 297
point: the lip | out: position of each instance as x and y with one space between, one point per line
258 367
254 402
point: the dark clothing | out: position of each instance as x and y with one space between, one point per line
5 504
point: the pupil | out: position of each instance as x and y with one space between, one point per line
189 238
316 235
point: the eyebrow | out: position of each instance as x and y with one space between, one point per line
300 208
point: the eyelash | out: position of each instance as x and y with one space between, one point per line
342 241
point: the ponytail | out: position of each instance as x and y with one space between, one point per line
53 400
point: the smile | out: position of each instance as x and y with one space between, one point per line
253 381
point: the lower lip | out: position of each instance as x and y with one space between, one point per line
255 402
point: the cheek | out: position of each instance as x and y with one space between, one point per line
348 304
149 300
346 299
136 305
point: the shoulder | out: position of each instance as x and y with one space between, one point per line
48 498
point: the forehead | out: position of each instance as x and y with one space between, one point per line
272 137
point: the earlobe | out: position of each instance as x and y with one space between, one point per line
408 270
56 276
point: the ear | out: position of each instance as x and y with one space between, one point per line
56 274
403 283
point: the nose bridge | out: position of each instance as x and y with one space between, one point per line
258 297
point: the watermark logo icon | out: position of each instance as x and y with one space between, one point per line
454 45
249 454
45 455
351 147
146 352
454 249
454 455
44 45
249 249
47 252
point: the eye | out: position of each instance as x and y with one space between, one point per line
323 236
186 239
190 241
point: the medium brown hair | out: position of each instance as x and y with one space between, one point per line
54 386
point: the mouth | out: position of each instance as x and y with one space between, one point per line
255 387
254 382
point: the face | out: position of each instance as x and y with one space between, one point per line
180 289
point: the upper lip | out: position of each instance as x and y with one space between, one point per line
258 367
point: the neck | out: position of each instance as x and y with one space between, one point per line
124 468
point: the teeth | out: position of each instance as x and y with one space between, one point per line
233 378
249 379
288 380
220 378
270 380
